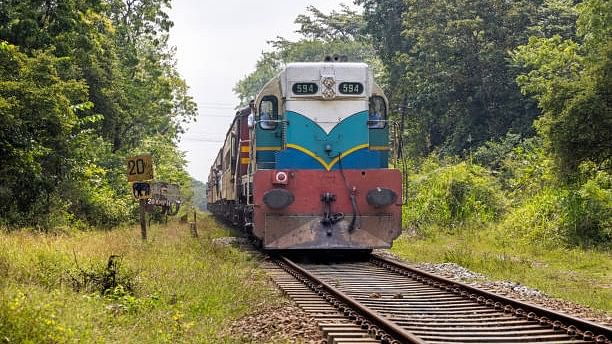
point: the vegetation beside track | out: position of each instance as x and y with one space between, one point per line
57 288
515 222
578 275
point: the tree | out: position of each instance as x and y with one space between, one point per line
344 25
266 68
571 82
383 26
449 60
38 121
83 84
324 35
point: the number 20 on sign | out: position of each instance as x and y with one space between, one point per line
140 168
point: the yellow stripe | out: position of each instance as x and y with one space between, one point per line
309 153
321 161
244 149
268 148
245 161
379 148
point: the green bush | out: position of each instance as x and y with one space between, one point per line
537 221
492 153
527 169
575 215
588 209
102 206
453 195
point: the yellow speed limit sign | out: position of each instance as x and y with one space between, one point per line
140 168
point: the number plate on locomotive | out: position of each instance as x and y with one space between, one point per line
303 88
350 88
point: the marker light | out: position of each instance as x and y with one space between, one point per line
328 82
281 178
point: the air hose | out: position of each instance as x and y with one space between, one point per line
354 204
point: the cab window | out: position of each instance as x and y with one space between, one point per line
268 113
377 116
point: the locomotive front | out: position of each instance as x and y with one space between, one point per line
318 168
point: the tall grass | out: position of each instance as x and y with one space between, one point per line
565 215
453 195
181 289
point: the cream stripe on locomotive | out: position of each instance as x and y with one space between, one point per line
325 113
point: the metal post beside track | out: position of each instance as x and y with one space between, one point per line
194 226
143 222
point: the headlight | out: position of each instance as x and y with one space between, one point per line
278 198
381 197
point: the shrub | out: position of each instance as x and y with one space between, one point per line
527 169
106 280
103 207
491 153
453 195
588 209
537 220
575 215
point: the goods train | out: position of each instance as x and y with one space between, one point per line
305 166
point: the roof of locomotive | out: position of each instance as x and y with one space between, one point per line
315 71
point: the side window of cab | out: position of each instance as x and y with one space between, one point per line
268 113
377 114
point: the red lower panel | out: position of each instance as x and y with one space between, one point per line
299 226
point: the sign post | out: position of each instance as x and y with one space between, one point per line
194 226
139 169
143 221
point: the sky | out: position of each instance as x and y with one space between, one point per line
218 43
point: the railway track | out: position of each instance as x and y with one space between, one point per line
380 300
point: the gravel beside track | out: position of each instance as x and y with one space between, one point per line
283 323
508 288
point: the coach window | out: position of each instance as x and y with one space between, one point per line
377 117
234 153
268 113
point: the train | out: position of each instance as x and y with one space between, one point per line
306 165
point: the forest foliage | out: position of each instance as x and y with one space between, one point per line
83 85
336 33
506 107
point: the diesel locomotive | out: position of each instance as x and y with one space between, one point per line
306 165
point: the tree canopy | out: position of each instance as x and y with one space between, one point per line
570 80
339 32
83 84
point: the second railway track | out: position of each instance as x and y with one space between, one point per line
377 299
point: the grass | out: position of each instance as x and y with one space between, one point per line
170 289
578 275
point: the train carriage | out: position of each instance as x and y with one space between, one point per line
316 175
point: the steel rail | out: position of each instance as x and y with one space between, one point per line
391 328
572 325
